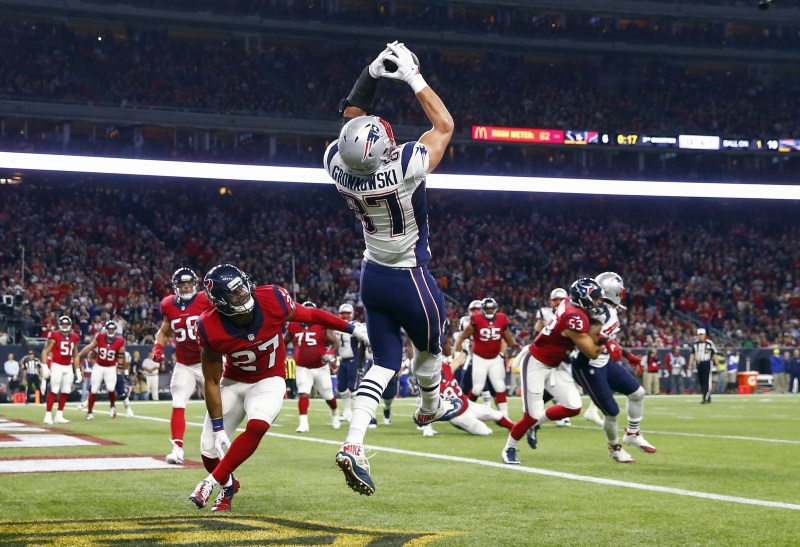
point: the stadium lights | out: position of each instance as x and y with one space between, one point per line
306 175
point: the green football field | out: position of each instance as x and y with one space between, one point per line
724 474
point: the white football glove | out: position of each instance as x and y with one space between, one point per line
45 372
360 333
407 67
221 442
78 376
376 67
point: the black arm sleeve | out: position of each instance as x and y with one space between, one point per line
363 93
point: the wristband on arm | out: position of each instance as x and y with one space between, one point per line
363 93
216 424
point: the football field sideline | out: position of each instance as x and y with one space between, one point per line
546 472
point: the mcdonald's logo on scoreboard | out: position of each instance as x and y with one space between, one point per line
517 134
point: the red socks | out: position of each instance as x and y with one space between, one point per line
332 403
302 404
558 412
505 422
242 448
92 399
62 400
522 426
51 399
178 425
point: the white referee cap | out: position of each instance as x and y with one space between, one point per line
701 331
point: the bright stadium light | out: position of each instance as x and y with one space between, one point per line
307 175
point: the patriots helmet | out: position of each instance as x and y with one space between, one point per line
489 308
346 312
65 324
613 287
229 289
184 283
365 143
557 295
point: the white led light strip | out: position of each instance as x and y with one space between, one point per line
305 175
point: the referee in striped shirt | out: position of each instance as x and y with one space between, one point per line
702 357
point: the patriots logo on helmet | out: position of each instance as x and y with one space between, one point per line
373 136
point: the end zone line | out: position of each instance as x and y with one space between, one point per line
561 475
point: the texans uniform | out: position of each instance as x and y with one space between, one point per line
62 355
487 341
105 366
541 363
309 347
396 287
188 373
472 416
253 377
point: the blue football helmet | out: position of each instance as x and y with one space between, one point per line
111 329
183 276
309 304
489 308
229 289
585 293
65 324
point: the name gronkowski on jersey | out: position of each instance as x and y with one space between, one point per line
182 316
392 204
550 346
61 353
252 353
309 344
107 349
348 344
609 329
449 387
488 336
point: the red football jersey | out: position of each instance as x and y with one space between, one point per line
107 350
309 344
61 353
488 336
550 347
449 387
252 353
182 316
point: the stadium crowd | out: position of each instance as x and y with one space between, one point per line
148 68
102 250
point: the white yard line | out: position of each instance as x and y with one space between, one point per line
558 474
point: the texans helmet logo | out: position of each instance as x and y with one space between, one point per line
209 284
373 136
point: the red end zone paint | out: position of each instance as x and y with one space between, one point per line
113 462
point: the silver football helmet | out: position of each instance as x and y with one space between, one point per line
474 305
613 286
365 143
558 293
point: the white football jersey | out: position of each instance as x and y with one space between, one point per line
346 349
466 345
545 314
391 204
609 330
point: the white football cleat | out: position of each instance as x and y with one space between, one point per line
620 454
335 421
176 456
347 415
129 412
89 416
48 419
303 427
636 439
113 412
61 420
429 431
83 405
593 416
564 423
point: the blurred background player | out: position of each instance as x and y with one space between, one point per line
125 383
245 326
86 385
384 185
312 369
488 330
110 350
351 359
61 354
542 362
180 314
